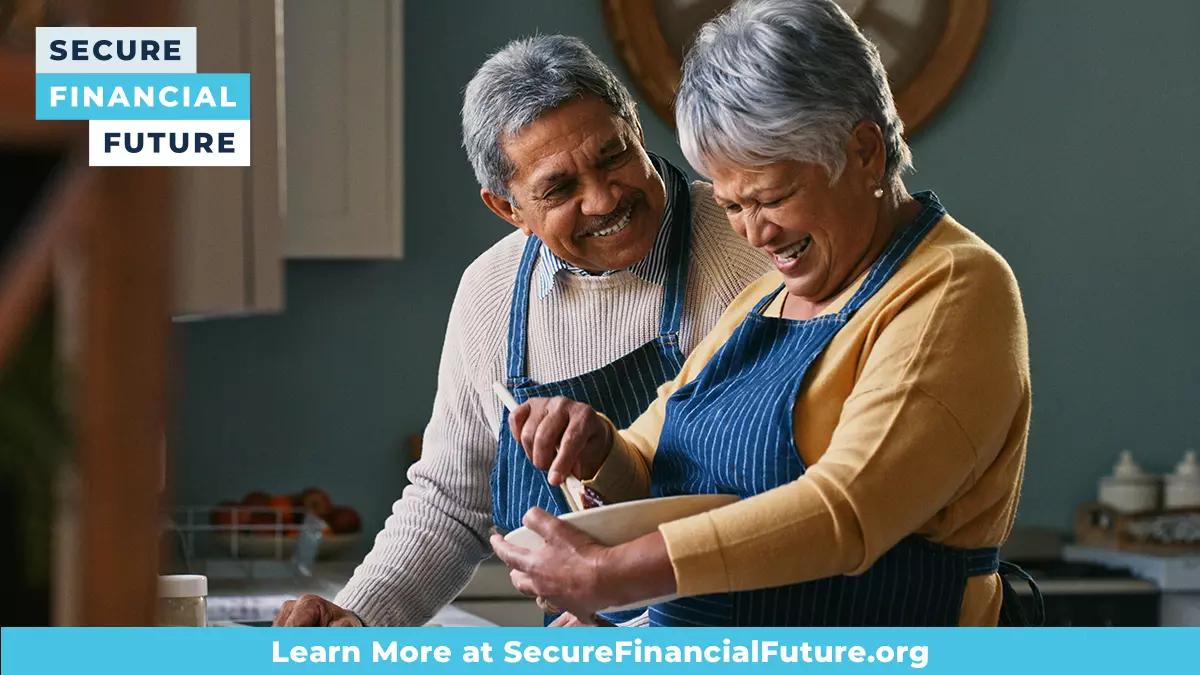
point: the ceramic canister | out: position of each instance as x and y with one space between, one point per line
1129 489
1182 488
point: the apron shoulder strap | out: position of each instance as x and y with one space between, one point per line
679 225
518 313
897 252
766 299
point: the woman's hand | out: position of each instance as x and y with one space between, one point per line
562 437
566 574
569 620
577 574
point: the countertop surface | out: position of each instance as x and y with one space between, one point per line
258 600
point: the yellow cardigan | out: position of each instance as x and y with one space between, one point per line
914 419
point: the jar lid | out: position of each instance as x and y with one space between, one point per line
1188 468
182 586
1126 468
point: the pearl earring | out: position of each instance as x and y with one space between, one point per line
878 193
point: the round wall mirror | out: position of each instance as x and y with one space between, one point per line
926 45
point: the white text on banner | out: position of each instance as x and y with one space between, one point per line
631 651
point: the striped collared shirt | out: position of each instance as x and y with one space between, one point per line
652 268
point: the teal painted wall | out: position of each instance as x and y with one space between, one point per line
1071 147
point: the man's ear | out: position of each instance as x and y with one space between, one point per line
637 126
504 208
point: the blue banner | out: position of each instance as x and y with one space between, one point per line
183 651
179 96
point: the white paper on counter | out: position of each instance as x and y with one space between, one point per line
227 609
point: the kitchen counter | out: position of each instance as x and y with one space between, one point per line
488 600
1177 577
231 601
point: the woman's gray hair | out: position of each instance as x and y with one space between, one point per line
520 83
785 80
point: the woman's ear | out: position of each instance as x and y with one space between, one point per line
866 150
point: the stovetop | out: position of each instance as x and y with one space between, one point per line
1061 569
1078 578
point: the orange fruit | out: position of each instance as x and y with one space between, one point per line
283 505
344 520
316 501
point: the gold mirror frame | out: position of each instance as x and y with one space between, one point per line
637 37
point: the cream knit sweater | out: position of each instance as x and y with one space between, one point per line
438 531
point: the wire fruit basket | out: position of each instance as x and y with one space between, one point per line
240 542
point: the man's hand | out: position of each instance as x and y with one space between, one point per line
312 610
562 437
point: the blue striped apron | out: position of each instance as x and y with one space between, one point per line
731 431
620 390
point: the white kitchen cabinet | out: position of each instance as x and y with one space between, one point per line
343 67
229 232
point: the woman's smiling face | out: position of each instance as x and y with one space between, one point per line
817 233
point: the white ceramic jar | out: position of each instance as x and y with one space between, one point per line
1182 489
182 600
1129 489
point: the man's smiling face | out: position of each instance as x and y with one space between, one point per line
585 186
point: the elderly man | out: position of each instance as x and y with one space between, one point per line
618 268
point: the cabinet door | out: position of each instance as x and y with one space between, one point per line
229 234
343 66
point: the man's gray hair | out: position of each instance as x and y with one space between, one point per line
785 80
520 83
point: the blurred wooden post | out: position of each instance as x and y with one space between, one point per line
119 222
126 327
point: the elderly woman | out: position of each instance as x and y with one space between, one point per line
869 401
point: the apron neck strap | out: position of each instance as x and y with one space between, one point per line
766 299
518 313
678 222
897 251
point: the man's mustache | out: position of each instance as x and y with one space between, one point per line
627 203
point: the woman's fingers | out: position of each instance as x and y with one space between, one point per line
554 531
548 607
515 557
569 620
522 582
